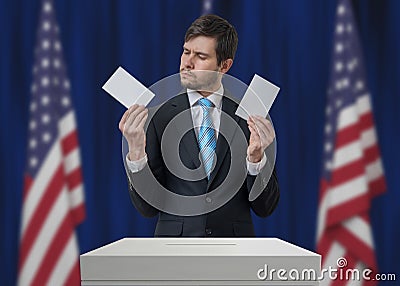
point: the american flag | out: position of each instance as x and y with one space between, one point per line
53 200
352 172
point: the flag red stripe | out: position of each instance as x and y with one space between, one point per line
347 172
364 216
40 214
74 178
371 154
366 120
324 244
352 132
78 213
69 142
356 246
347 209
74 277
27 185
347 135
377 186
323 189
54 251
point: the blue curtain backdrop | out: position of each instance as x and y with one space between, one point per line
286 41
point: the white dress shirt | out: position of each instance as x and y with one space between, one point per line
197 117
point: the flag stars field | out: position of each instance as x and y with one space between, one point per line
328 128
33 162
45 81
45 44
57 46
339 66
56 63
351 65
339 29
33 106
46 137
328 147
45 118
66 84
32 144
339 47
47 7
45 62
359 85
65 101
341 10
33 88
46 26
32 125
45 100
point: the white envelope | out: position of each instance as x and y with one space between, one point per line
127 90
258 98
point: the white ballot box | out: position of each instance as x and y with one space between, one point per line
200 261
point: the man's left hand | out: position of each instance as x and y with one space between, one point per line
261 136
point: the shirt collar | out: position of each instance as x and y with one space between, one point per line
215 97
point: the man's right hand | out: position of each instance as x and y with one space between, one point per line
132 127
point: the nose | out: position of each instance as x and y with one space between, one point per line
188 61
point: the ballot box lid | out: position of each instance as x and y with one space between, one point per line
200 247
181 261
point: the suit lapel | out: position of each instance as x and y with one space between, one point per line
185 126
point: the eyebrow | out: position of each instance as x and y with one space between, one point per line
197 53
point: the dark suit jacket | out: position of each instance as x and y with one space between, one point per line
232 219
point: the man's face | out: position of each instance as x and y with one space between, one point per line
199 69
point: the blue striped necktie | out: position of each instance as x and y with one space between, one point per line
207 138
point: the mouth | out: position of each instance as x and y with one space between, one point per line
187 73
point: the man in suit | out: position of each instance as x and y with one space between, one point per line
221 156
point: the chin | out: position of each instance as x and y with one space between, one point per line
188 84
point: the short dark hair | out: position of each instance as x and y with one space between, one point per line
219 29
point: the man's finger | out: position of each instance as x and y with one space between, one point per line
139 117
143 121
136 109
252 124
123 120
254 130
261 121
261 128
265 126
271 129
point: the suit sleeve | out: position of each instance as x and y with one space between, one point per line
265 186
144 180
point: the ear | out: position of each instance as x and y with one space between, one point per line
226 65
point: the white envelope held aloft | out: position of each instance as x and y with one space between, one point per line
258 98
127 90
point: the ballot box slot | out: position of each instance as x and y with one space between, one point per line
201 244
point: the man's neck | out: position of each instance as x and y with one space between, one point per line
205 93
209 91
